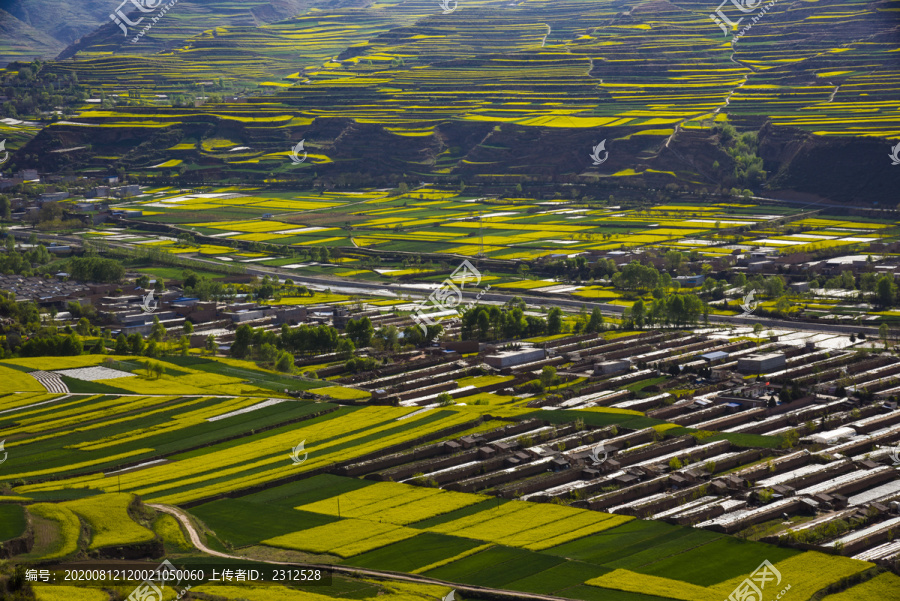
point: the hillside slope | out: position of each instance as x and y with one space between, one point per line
499 94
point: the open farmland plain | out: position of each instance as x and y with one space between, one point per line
433 221
527 247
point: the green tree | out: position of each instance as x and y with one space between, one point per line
96 269
638 314
774 286
243 338
152 350
674 260
387 338
885 291
554 321
83 327
136 344
360 331
595 323
548 376
345 348
285 362
268 353
757 330
121 344
157 330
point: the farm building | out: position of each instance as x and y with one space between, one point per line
761 363
516 357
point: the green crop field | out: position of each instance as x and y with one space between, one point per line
242 523
305 491
414 553
496 567
12 521
554 580
153 427
715 561
210 468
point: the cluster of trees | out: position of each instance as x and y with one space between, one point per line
268 347
494 323
279 349
415 336
21 324
29 89
880 289
271 288
588 324
13 262
578 268
772 286
52 217
510 322
677 310
361 364
52 344
96 269
34 340
360 331
156 344
204 288
636 276
308 339
742 148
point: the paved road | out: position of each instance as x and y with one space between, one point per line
182 517
416 291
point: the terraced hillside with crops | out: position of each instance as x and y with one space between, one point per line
500 94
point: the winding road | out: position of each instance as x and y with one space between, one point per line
185 520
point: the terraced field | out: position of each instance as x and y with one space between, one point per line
493 92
